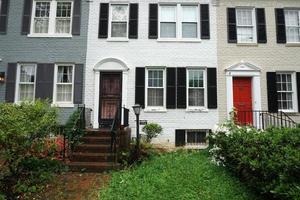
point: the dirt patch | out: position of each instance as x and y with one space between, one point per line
74 186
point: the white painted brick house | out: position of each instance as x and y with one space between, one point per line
160 55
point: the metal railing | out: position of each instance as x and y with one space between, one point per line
264 119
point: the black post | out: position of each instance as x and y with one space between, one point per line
137 133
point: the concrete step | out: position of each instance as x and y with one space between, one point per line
93 148
93 166
92 157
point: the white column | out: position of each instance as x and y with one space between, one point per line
256 96
124 91
96 99
229 93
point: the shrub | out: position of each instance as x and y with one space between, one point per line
23 132
152 130
268 161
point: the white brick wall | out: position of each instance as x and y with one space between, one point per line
143 52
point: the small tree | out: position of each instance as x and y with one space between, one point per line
152 130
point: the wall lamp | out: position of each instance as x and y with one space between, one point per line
2 77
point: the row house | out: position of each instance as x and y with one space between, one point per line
258 61
43 51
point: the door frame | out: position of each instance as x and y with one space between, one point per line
103 73
243 70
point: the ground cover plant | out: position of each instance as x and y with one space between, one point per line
178 176
268 161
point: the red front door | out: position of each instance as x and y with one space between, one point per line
242 100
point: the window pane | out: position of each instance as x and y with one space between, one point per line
196 97
189 30
196 137
244 17
189 13
63 9
41 25
285 91
64 93
26 92
155 78
245 34
41 20
167 30
155 96
292 18
27 74
119 29
196 78
65 74
119 12
42 9
63 17
168 14
293 34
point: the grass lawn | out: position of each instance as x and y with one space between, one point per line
179 175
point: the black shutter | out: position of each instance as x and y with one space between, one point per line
298 90
26 17
179 138
231 23
261 25
76 17
280 25
181 87
140 86
153 21
78 84
212 88
171 88
133 20
272 92
4 16
103 20
11 82
44 81
204 16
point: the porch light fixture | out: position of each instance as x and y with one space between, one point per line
2 77
137 111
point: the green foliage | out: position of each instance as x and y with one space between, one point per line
72 131
181 175
268 161
152 130
24 128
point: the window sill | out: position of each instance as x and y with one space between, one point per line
288 111
247 44
179 40
197 110
63 105
117 40
155 110
295 44
50 35
196 146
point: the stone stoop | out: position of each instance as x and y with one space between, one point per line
94 153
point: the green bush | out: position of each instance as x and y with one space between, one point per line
24 129
152 130
268 161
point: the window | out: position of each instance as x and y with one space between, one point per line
292 18
179 21
246 29
168 21
26 82
286 91
119 20
64 84
189 21
155 87
52 17
196 137
196 88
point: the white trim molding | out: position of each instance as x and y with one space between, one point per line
243 69
109 65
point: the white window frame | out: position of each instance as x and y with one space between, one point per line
52 20
253 25
191 108
179 22
294 92
196 145
110 23
18 76
286 27
62 103
155 108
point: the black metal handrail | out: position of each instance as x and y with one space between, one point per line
264 119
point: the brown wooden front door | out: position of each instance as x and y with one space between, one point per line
110 97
